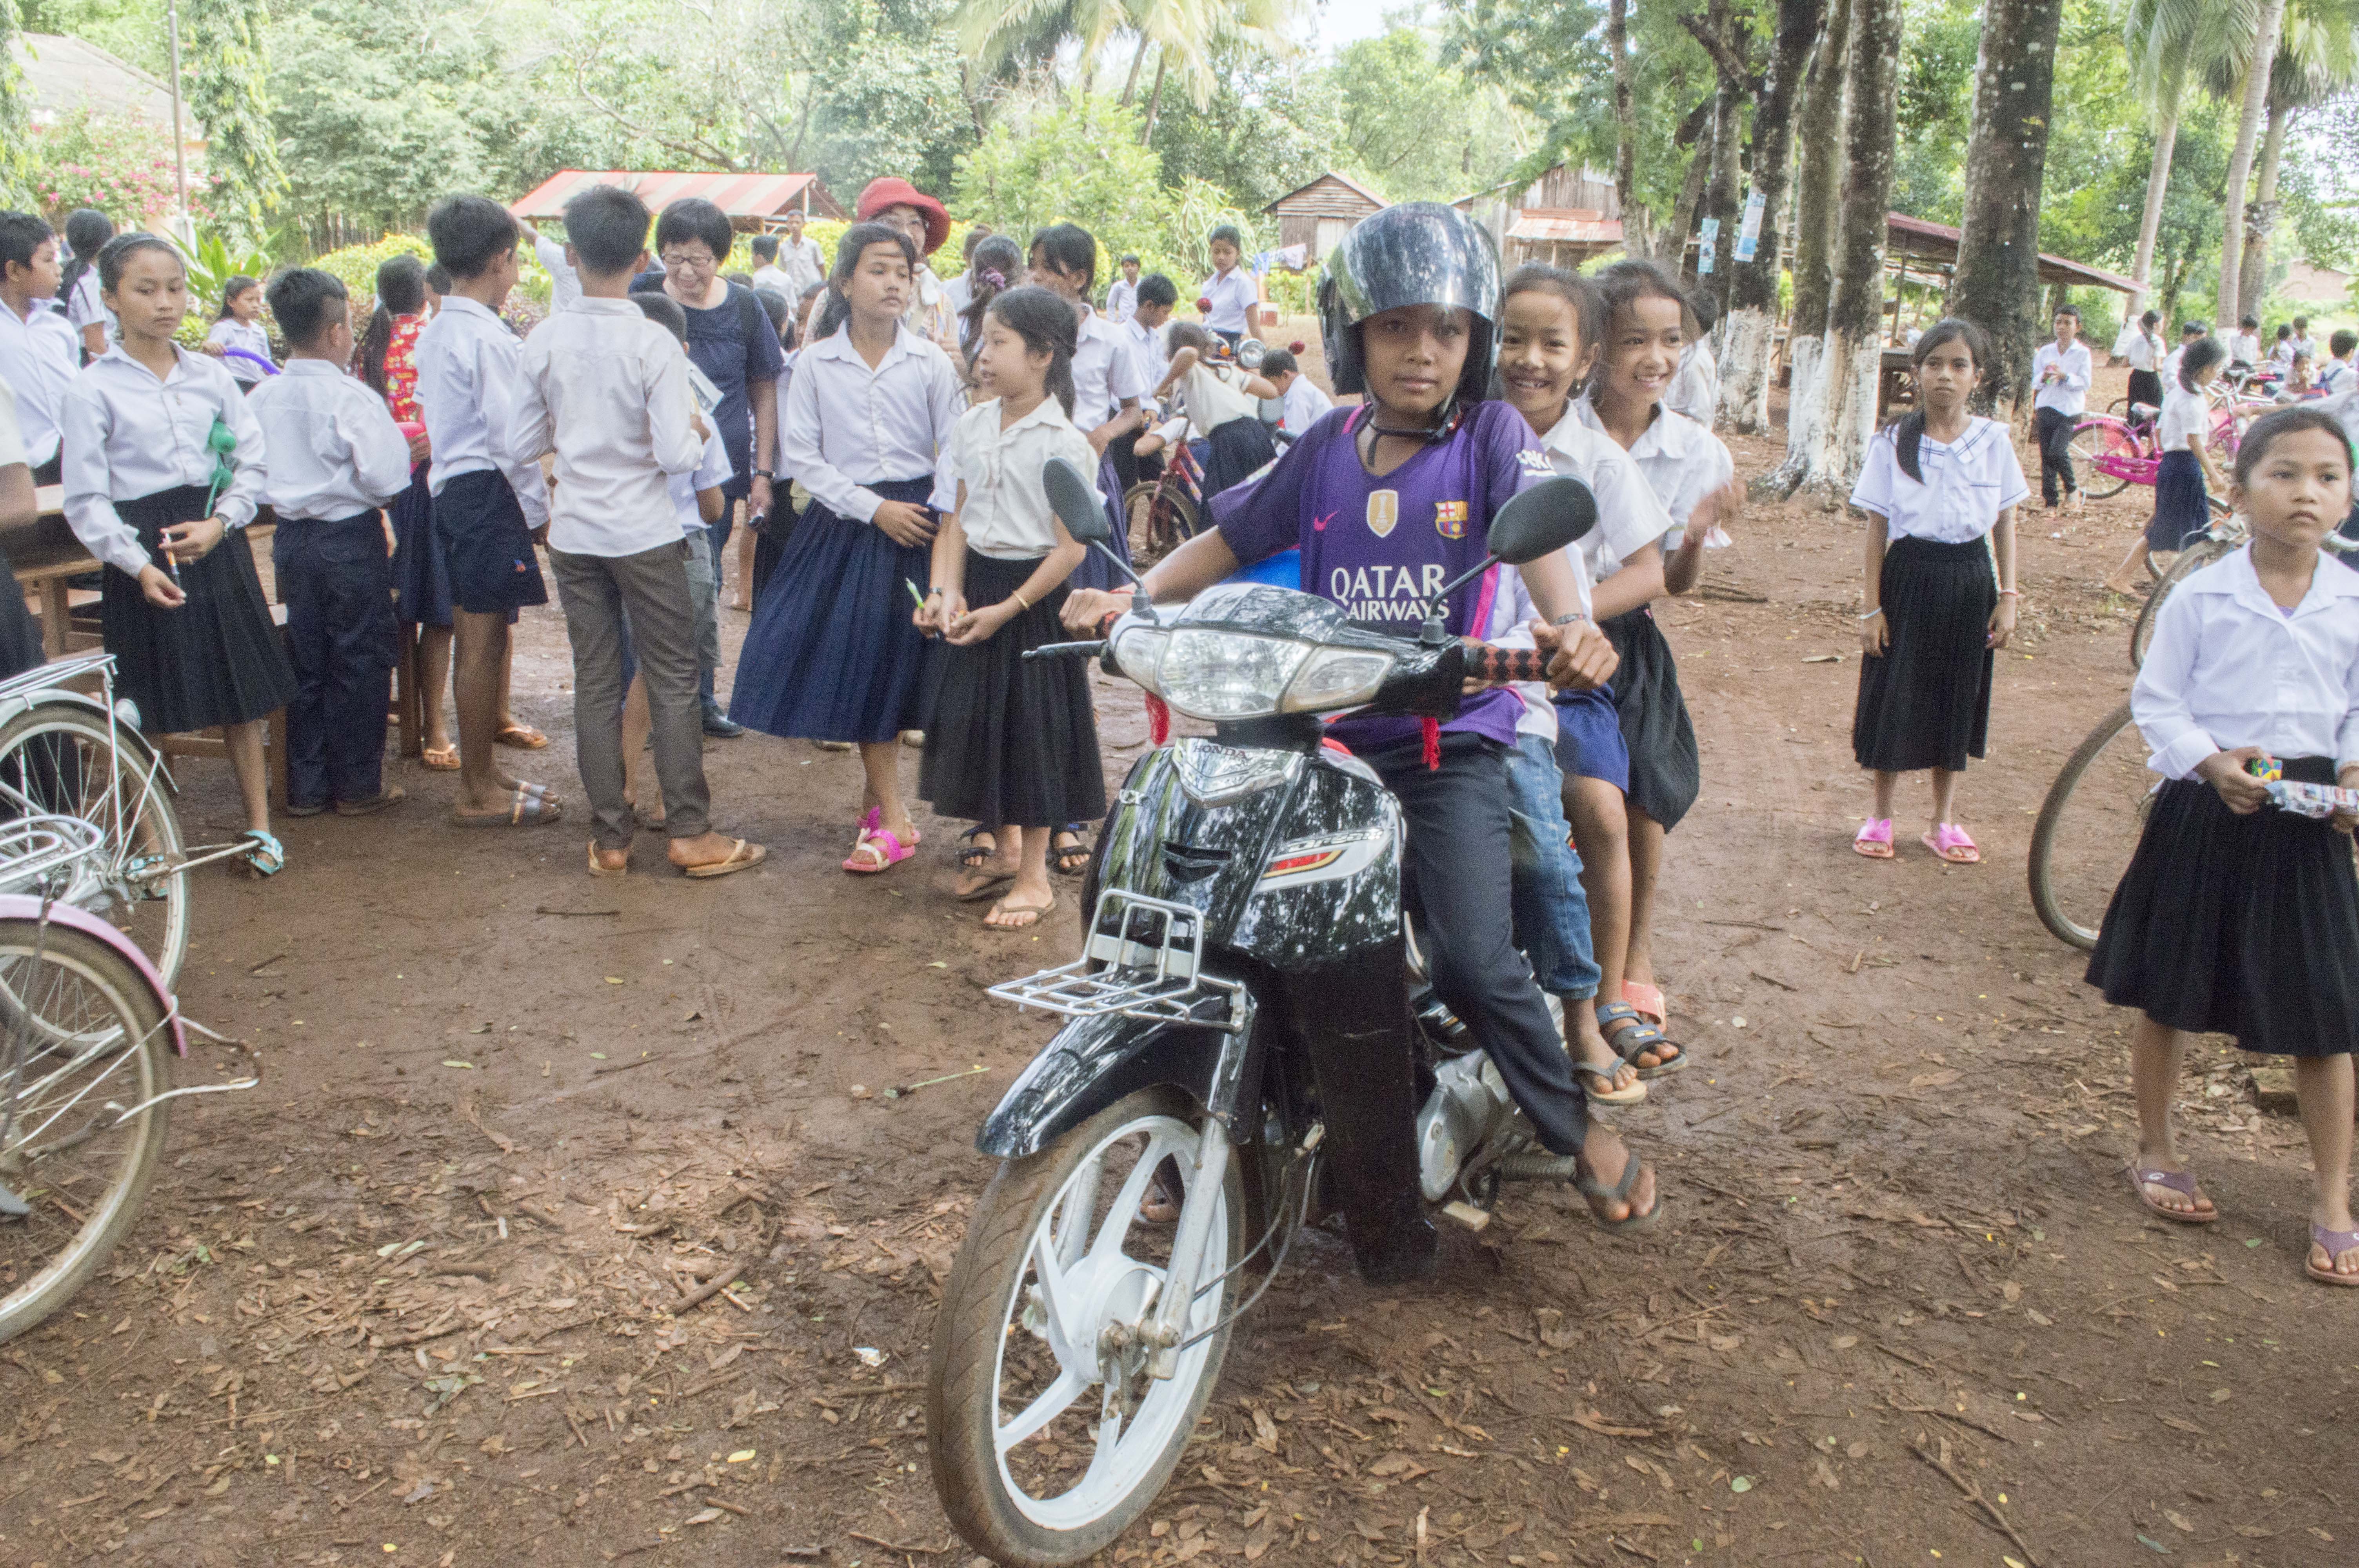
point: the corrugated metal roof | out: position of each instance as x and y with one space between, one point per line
1919 236
1564 226
758 197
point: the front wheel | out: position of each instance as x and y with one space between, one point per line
2088 828
1047 1438
2101 448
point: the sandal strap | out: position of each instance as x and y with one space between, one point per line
1620 1191
2177 1181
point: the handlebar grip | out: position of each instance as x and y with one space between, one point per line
1491 663
1064 650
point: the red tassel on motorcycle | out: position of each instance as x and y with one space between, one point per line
1431 729
1159 719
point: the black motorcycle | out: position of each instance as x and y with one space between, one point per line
1245 894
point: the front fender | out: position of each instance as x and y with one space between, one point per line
1091 1064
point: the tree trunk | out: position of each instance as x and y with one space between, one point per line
2158 186
1816 209
2174 281
1130 82
2261 220
1753 285
2240 164
1722 186
1635 239
1155 96
1671 243
1852 362
1996 283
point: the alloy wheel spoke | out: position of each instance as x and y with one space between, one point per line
1053 1401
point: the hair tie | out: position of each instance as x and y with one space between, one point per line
993 276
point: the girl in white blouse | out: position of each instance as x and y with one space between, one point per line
239 326
1108 382
2185 478
163 471
1010 745
2237 916
1940 489
830 654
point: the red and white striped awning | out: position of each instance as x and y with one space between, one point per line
752 200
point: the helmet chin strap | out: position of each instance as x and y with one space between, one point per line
1432 435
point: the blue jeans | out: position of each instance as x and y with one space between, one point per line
1550 909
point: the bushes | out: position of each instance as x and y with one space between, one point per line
355 267
121 166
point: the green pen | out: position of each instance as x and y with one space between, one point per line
913 593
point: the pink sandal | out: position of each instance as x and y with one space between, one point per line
881 841
1950 841
1875 840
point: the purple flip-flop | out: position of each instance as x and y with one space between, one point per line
2336 1243
2178 1181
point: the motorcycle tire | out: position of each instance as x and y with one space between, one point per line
997 1316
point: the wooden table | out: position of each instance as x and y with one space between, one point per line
48 556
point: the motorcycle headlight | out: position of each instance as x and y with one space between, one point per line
1336 677
1227 674
1138 654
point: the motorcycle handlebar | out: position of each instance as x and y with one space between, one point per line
1065 650
1494 664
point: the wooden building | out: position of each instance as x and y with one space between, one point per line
1565 216
1320 213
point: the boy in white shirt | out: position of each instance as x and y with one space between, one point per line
1229 295
2245 347
2336 375
2062 372
39 355
1150 309
564 286
799 258
336 459
606 390
1122 299
767 273
1304 403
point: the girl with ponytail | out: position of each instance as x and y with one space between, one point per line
1940 488
1010 746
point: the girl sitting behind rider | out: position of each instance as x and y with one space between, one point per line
1219 400
1387 501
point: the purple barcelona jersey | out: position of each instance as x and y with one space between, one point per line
1378 546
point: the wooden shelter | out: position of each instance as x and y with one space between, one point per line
755 202
1320 213
1564 218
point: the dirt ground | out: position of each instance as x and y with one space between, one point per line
408 1302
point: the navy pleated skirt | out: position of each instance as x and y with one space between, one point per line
1666 766
421 572
1011 743
1235 453
1925 702
217 659
2239 925
1095 570
2181 506
832 654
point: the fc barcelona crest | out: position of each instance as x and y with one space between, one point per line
1384 511
1449 519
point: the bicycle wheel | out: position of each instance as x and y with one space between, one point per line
81 1040
2088 828
62 758
2191 560
1175 521
2094 440
1138 519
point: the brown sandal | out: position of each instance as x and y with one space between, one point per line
597 868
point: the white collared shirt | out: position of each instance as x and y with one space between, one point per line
1122 301
39 357
713 470
247 338
1629 516
1304 404
774 278
564 282
845 426
1512 614
606 390
468 365
128 435
87 306
1695 389
334 449
1104 373
1146 347
2245 350
1005 511
2228 668
2184 414
2070 394
1967 483
1233 294
1683 463
803 263
2136 345
12 441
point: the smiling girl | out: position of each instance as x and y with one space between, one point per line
2236 917
830 654
1381 499
163 471
1940 489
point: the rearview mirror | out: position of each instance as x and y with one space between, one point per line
1542 520
1080 507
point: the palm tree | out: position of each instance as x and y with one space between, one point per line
2317 60
2159 36
2262 58
1184 33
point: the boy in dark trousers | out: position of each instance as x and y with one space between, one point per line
336 459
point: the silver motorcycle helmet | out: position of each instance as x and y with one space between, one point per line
1417 253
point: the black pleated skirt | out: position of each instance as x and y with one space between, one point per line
218 659
1666 769
2146 387
1011 743
2181 503
1236 451
421 572
832 654
2241 925
1926 702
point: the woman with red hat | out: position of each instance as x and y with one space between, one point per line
894 202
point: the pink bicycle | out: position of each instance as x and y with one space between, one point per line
2114 453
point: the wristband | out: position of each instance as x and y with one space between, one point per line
1568 620
766 473
1873 613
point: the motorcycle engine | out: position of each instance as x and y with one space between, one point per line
1469 1102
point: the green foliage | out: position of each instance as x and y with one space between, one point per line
1935 110
130 30
1548 57
355 267
1264 129
122 166
1078 163
211 263
226 66
1416 130
16 117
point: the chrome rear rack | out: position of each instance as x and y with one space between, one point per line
1142 959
